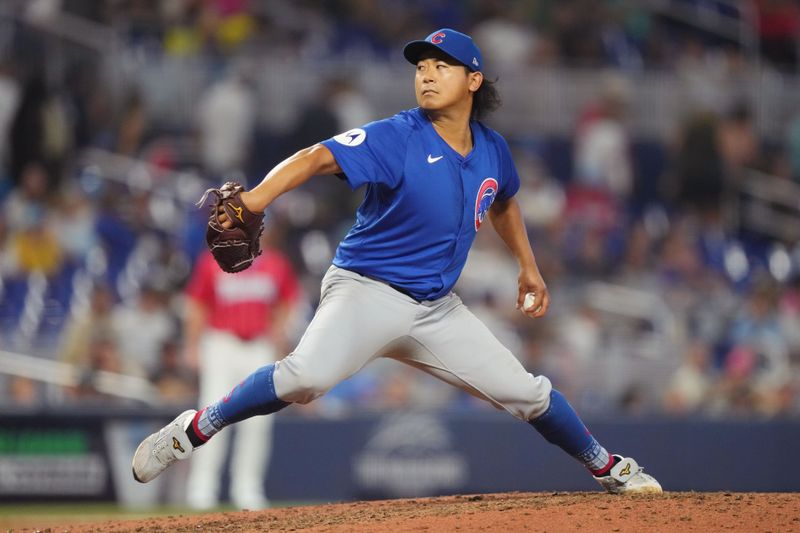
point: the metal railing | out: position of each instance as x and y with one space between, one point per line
67 375
768 205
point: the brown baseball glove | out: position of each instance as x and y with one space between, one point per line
233 248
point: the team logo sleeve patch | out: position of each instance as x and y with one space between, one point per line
372 154
484 199
352 137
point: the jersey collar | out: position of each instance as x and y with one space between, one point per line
473 126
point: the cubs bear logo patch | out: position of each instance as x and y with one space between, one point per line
486 195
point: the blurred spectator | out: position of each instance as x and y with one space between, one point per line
45 122
35 248
680 267
573 352
214 27
778 28
99 109
702 72
546 52
505 34
349 105
122 219
226 124
735 394
184 35
9 100
233 325
636 268
337 107
634 400
77 94
580 334
28 202
142 327
699 171
793 147
176 383
541 197
757 330
597 198
132 126
27 129
400 387
7 263
75 219
757 321
738 142
624 35
235 23
365 28
32 243
789 317
577 32
487 263
83 324
586 248
24 392
102 356
602 148
690 386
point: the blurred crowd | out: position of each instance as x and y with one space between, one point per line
622 33
664 300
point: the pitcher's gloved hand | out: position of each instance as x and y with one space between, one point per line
234 248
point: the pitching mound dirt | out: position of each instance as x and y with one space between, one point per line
684 512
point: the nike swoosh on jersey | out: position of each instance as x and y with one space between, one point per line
432 159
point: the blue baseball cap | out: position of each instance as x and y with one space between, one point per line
455 44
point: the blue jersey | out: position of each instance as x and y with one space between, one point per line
424 201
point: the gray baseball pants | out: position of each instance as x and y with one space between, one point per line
360 319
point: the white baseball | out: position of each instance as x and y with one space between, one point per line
529 302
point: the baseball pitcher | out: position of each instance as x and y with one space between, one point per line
432 178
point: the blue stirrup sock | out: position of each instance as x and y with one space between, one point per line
560 425
253 396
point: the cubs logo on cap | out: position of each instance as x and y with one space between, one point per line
437 37
455 44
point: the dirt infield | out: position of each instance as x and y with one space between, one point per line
551 512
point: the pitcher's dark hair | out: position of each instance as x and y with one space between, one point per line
485 100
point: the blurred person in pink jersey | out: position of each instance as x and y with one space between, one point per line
233 325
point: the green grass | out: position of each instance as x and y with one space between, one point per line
42 515
113 509
38 515
91 508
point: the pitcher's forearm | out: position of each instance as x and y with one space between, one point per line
290 173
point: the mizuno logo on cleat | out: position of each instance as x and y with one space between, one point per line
177 445
625 471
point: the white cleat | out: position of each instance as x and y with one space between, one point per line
163 448
627 477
